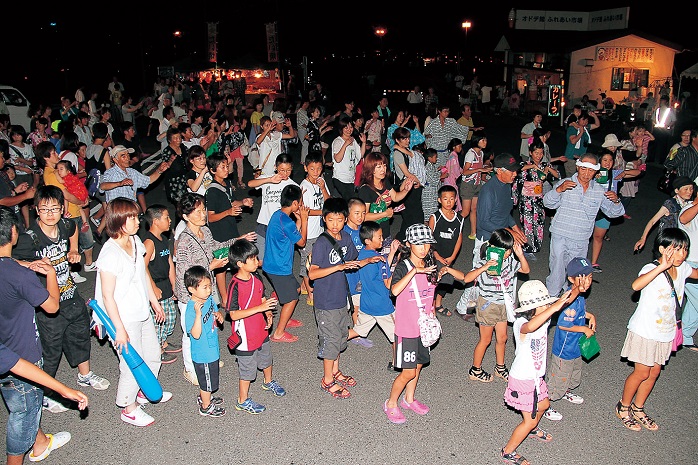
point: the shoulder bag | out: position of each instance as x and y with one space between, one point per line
678 336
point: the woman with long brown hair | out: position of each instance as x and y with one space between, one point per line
379 193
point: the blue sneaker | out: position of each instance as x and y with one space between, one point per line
274 387
250 406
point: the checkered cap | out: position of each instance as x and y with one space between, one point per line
419 234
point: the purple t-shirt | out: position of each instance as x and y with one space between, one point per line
331 291
20 294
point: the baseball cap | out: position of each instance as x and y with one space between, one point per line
579 266
419 234
277 117
507 161
681 181
533 294
114 151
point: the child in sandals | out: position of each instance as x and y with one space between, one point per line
490 312
526 389
653 325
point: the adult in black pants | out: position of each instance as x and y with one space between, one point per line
409 166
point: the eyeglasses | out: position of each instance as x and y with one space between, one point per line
50 210
686 135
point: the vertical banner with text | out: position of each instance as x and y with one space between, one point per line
272 43
212 42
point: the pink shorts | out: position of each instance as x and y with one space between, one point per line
519 393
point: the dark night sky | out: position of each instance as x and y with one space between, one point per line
91 47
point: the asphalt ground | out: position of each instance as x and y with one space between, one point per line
468 422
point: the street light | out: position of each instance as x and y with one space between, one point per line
380 31
466 25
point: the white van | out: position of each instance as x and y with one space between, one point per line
17 104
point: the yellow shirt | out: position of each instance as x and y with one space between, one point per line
463 121
50 179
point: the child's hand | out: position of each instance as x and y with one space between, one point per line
592 322
638 245
588 332
76 396
275 179
352 265
218 316
667 258
583 283
321 182
394 245
444 270
250 236
490 263
374 259
121 341
248 202
518 250
304 212
269 316
270 304
425 270
198 306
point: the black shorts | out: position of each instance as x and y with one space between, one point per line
207 374
285 286
410 352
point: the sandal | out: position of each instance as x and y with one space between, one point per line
443 311
514 458
540 434
643 420
628 421
343 379
501 371
341 393
478 374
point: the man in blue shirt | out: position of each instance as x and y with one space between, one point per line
494 207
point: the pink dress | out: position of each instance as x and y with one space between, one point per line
454 172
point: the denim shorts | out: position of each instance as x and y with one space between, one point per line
85 239
24 401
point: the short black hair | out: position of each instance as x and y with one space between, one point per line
215 160
49 192
194 275
367 230
8 220
283 158
240 251
354 201
313 157
447 188
290 194
335 205
152 213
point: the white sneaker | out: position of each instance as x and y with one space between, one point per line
55 441
93 380
572 397
53 406
137 418
91 267
77 278
552 414
191 377
142 399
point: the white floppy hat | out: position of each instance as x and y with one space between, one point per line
611 141
533 294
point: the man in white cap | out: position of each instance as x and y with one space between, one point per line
577 200
123 181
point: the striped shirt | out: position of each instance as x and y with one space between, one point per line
116 174
685 162
577 209
442 134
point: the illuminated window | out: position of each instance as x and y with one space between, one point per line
629 78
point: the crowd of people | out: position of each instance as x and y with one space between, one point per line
78 181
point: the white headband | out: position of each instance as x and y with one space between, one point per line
586 164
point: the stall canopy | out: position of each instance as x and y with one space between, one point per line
690 73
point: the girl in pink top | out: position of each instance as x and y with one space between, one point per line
453 169
413 283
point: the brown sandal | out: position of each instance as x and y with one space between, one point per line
628 421
341 393
343 379
643 420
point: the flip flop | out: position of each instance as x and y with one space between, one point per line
287 337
